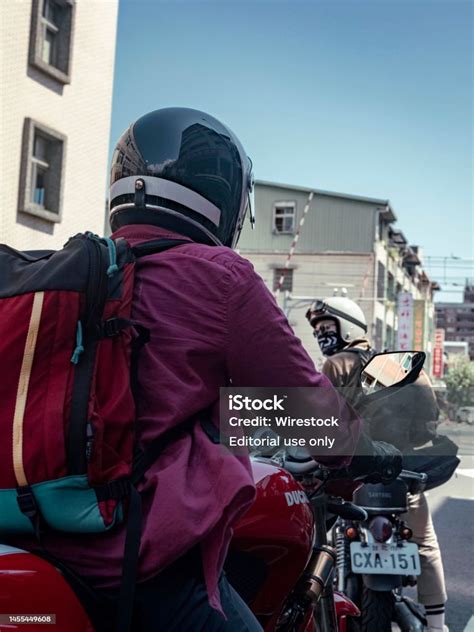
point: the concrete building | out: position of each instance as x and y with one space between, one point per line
457 319
346 242
57 67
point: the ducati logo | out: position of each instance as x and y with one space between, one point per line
295 498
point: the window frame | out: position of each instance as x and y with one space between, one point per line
284 204
47 26
378 333
277 273
381 281
29 164
36 165
39 26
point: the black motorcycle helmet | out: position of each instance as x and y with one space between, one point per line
183 170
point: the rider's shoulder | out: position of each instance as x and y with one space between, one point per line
224 257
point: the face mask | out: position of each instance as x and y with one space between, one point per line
329 342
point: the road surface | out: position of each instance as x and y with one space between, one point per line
452 507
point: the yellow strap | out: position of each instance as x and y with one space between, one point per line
22 392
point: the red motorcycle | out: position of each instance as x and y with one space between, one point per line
281 544
279 561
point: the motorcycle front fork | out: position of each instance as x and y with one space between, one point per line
325 611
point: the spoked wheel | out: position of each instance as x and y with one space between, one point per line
376 611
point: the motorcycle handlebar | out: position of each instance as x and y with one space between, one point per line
299 468
413 476
309 466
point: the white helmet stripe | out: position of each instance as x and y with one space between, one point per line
169 191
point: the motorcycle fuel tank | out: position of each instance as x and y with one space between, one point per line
275 535
32 591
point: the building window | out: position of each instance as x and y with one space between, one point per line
380 280
378 334
382 229
51 37
50 21
287 284
391 292
284 218
42 171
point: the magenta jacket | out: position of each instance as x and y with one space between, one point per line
212 320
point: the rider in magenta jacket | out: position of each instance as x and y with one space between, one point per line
200 340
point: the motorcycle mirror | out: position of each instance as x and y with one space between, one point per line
391 368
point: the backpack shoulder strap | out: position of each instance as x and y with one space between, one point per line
142 460
157 245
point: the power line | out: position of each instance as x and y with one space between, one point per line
450 258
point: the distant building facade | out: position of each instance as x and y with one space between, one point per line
56 73
453 352
457 319
346 242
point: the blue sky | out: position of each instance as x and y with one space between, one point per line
366 97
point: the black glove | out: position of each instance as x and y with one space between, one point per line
376 461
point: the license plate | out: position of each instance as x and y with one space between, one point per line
385 559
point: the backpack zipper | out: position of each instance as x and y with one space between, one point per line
89 441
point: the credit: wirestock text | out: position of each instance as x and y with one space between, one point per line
284 422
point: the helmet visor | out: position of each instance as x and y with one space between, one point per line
247 203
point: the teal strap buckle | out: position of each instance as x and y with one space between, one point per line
79 346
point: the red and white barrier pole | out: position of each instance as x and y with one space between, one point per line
293 245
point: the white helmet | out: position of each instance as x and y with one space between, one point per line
347 314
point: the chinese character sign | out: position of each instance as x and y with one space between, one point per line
419 325
438 351
405 321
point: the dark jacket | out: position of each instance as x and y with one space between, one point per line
406 417
341 368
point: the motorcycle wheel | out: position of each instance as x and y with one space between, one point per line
376 611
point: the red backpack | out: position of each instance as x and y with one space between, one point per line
68 458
